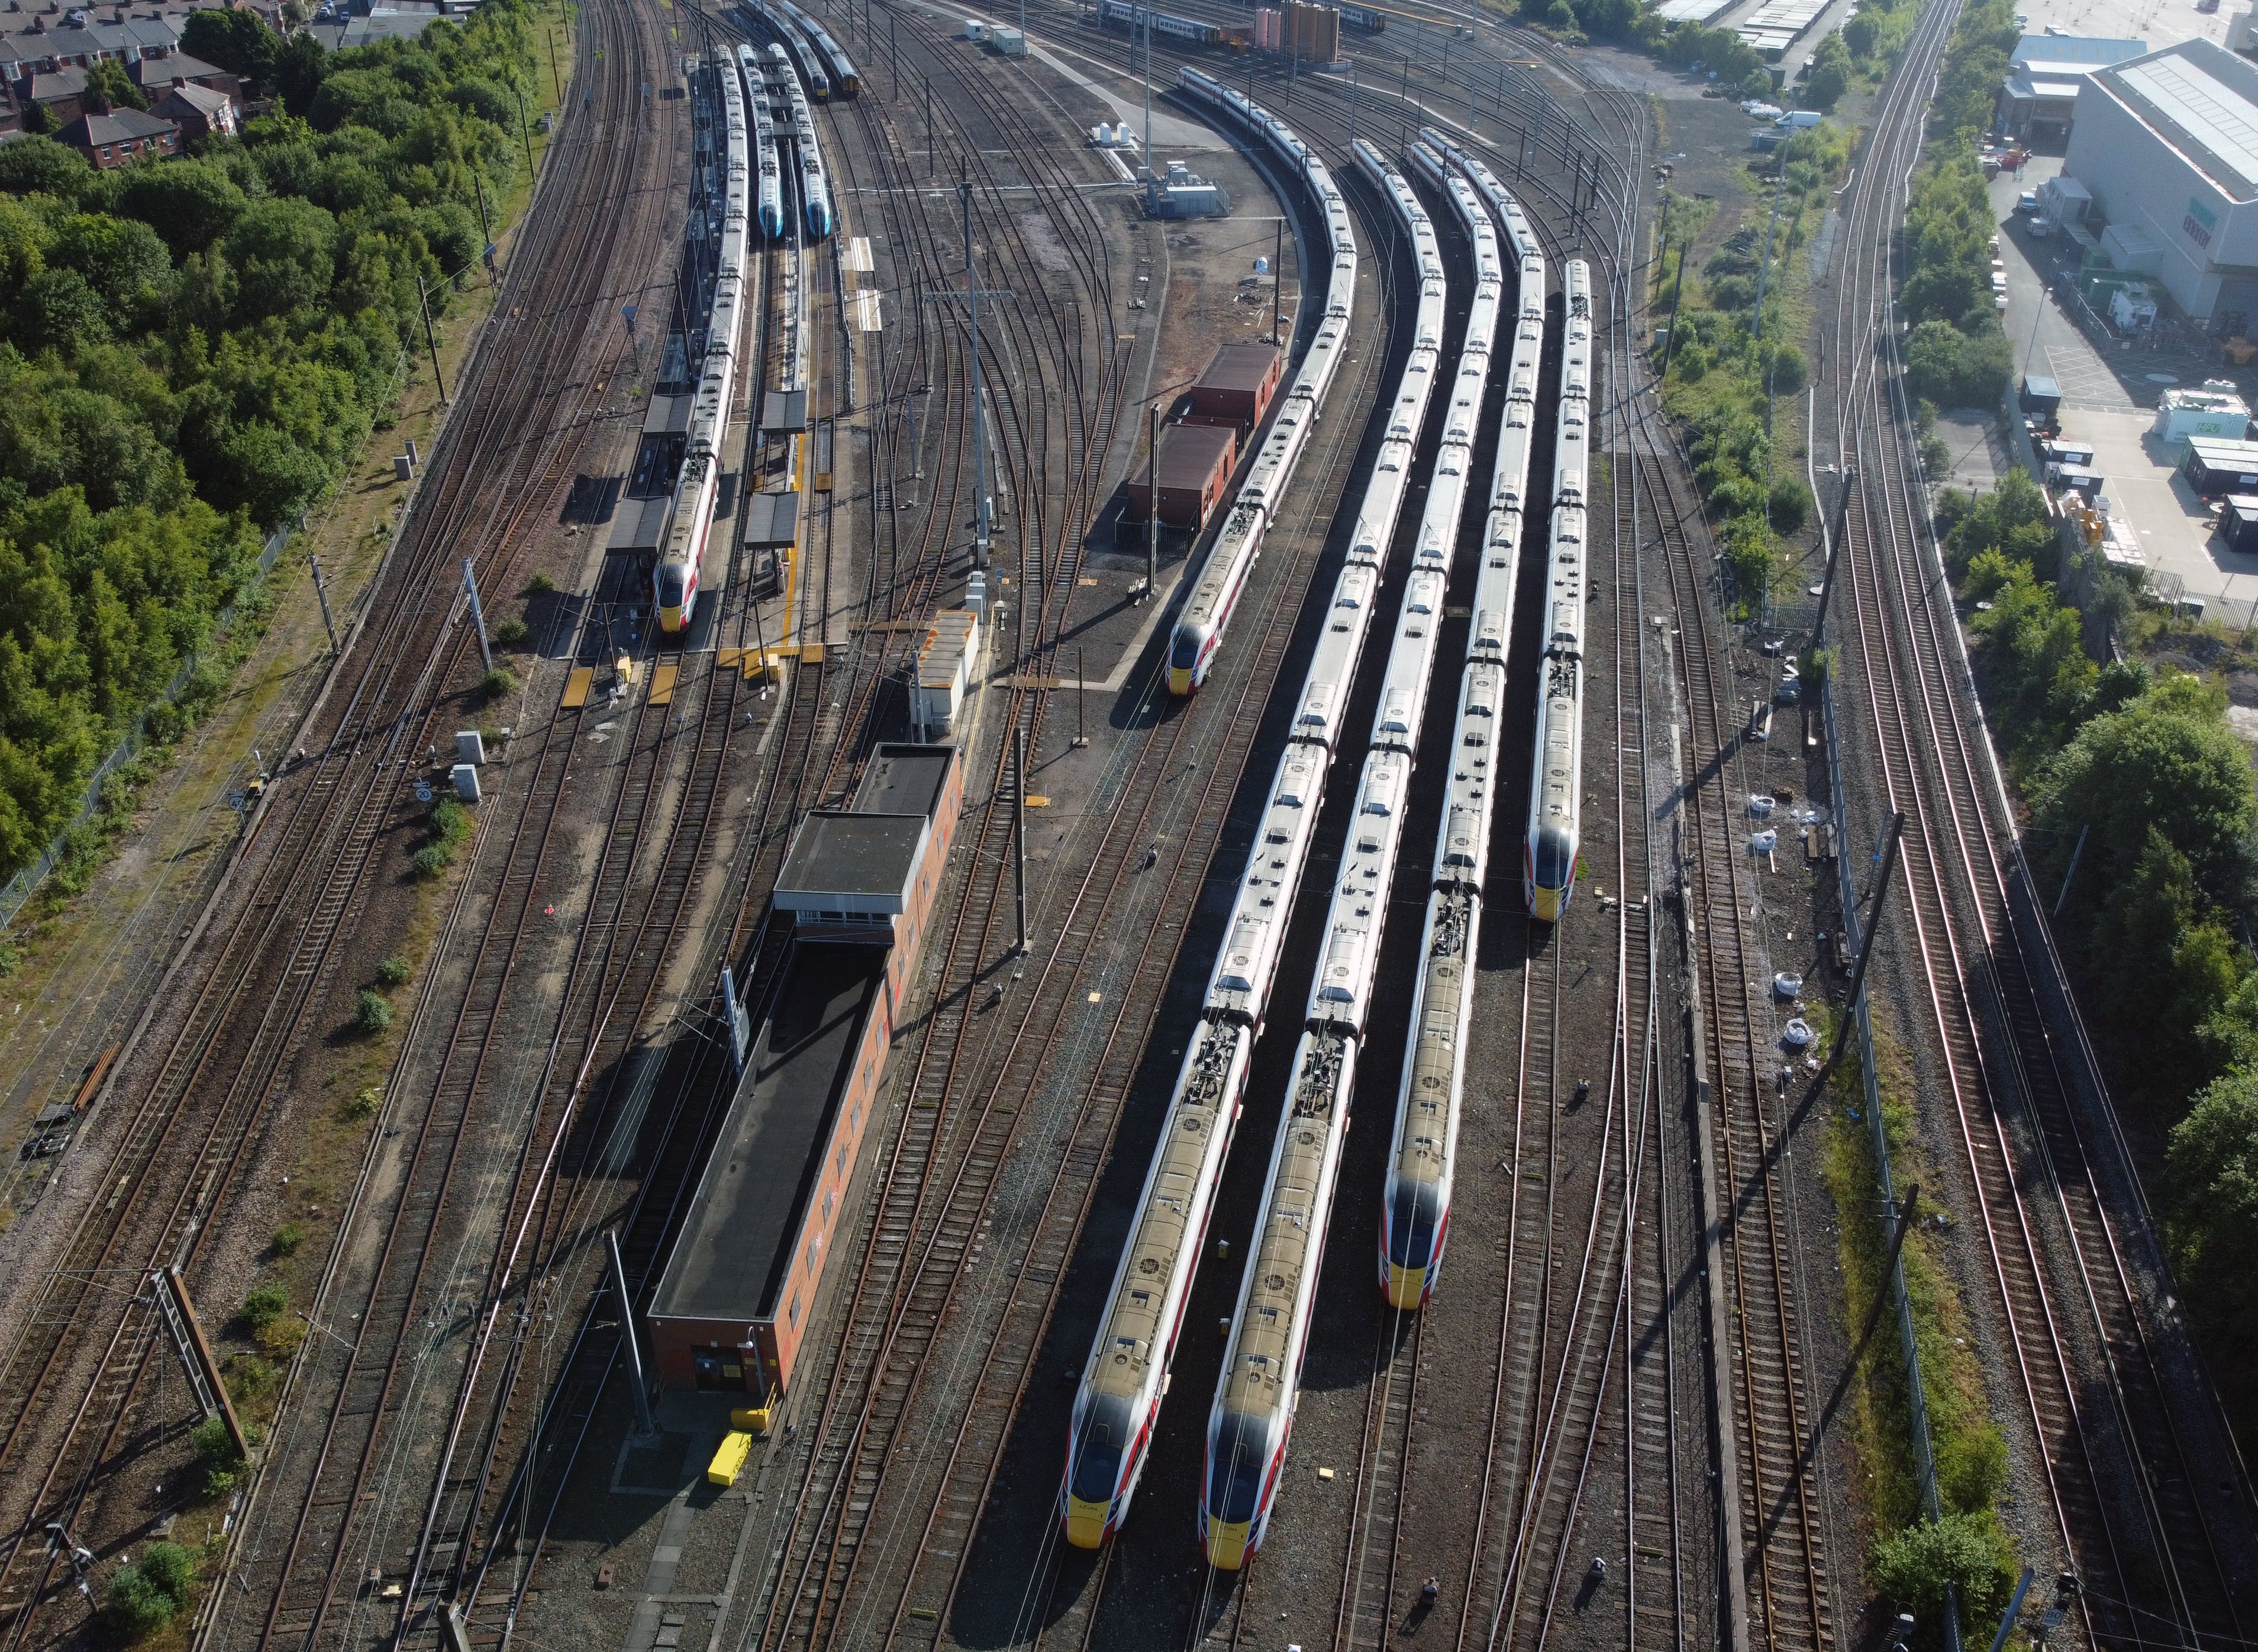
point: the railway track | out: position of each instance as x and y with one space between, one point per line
1371 1595
2127 1460
273 959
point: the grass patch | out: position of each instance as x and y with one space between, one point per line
1971 1547
394 972
512 633
498 685
146 1595
450 829
371 1011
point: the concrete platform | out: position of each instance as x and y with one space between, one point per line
2173 524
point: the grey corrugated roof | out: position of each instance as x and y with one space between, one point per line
2200 99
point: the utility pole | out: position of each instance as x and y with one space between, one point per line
432 339
478 614
485 229
1019 829
1147 156
555 79
1278 285
1887 855
645 1428
1834 547
1153 503
321 590
979 425
525 132
1080 689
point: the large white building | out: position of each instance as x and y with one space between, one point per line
2167 145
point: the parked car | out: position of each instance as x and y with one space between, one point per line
2027 204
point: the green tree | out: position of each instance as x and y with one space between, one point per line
2211 1173
300 68
58 311
2166 762
190 202
106 79
1830 75
239 42
1966 1551
279 250
123 259
40 165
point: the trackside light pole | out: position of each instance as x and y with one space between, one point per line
1152 505
644 1427
979 428
1834 555
1887 855
478 614
321 590
1019 830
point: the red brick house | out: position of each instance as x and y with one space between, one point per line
120 138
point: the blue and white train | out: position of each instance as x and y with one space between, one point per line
838 67
1258 1388
767 168
1422 1154
814 186
1127 1371
674 576
1207 613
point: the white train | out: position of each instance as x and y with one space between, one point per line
768 168
1549 860
1416 1216
1200 626
674 576
839 68
814 188
1258 1389
1127 1370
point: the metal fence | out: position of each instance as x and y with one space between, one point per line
20 888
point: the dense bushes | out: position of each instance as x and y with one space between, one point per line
191 352
2144 825
1974 66
1956 356
1728 368
144 1597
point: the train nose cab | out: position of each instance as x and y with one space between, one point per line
1237 1471
1094 1479
1414 1257
1550 874
675 595
1187 660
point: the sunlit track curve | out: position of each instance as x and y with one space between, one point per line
1206 614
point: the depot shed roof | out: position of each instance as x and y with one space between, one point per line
2200 100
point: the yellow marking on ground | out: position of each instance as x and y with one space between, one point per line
728 659
576 686
811 654
1036 800
661 684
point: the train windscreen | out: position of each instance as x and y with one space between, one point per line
1239 1455
1097 1455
